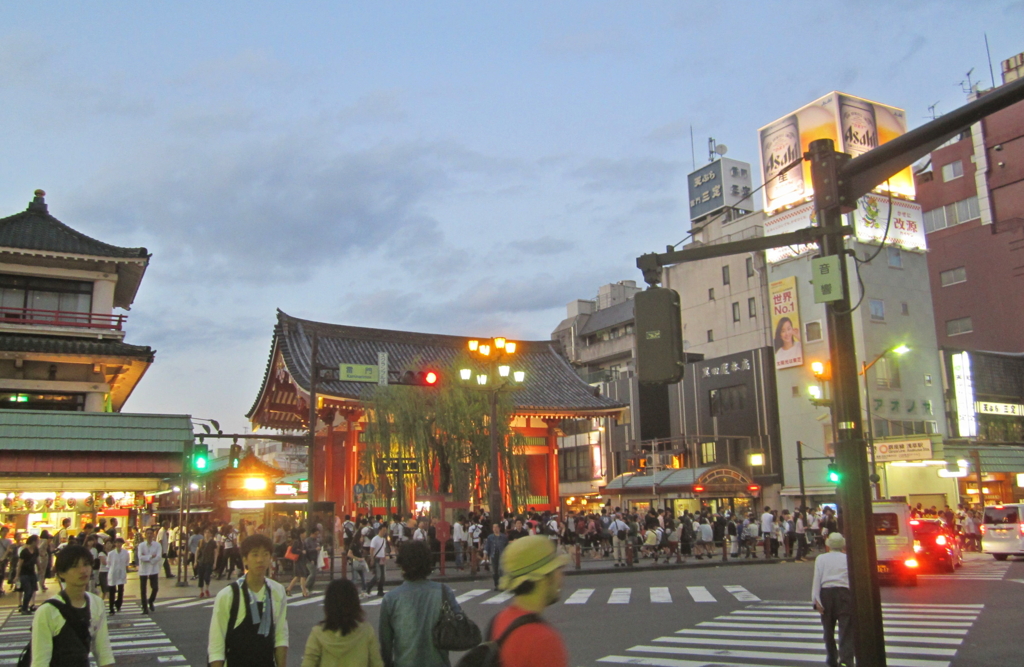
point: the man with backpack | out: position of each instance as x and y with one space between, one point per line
249 627
533 573
73 624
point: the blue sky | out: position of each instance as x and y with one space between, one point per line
462 168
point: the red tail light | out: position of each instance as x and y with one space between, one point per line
1022 529
915 522
982 527
941 539
910 562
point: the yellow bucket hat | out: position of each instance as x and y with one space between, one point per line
529 558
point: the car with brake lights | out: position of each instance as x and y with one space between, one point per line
894 542
936 546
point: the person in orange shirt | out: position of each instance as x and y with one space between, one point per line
532 570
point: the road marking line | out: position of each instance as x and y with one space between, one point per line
757 630
660 594
810 646
580 597
469 595
171 658
500 598
313 599
885 615
620 596
192 603
742 594
700 594
793 657
810 622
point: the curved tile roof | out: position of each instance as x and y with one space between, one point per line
551 383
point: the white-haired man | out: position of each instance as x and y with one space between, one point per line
830 593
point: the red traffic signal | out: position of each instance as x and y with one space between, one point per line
698 488
419 378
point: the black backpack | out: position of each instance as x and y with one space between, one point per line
64 607
488 654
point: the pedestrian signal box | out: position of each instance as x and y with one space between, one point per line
659 337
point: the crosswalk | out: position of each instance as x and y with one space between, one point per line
974 569
916 635
135 638
580 596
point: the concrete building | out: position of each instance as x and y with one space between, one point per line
972 194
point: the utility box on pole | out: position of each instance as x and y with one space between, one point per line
659 336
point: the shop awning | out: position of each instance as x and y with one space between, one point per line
660 479
719 479
994 458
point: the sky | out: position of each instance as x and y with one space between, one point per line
449 167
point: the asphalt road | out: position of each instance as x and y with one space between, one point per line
699 617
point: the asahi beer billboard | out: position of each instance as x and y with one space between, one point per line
855 125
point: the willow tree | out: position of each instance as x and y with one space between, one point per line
444 429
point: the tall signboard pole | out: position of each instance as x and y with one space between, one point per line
851 456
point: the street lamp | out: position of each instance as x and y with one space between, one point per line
898 350
499 377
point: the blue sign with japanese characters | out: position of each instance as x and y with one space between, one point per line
707 190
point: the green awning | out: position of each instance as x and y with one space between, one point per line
43 430
994 458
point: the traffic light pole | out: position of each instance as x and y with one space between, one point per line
838 183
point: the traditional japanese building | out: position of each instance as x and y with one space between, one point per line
552 392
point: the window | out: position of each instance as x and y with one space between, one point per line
796 392
905 308
927 379
952 214
887 523
953 276
961 325
887 373
576 464
20 292
711 294
707 452
751 307
728 399
877 307
813 331
750 267
952 170
885 428
711 335
735 311
895 257
725 274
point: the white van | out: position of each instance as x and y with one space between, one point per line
894 542
1002 531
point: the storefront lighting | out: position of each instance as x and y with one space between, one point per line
194 486
40 495
177 489
1020 479
255 484
755 458
974 492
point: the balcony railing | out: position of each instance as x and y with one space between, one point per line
61 318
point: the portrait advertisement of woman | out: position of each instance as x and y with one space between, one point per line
788 351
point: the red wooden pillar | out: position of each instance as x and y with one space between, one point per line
339 455
553 496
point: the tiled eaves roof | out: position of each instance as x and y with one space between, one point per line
551 383
35 229
88 347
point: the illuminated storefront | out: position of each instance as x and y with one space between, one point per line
715 488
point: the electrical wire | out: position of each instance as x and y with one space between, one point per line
857 261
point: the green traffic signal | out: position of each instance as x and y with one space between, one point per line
200 458
833 473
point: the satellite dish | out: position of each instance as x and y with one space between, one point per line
721 149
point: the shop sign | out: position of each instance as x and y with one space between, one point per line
963 391
285 490
904 450
1007 409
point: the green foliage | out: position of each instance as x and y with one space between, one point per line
446 426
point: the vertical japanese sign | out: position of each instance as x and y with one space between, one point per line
786 323
963 391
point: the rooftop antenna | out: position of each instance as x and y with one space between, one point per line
693 155
716 150
991 72
932 110
969 88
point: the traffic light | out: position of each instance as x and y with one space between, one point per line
659 336
235 455
201 458
426 378
834 475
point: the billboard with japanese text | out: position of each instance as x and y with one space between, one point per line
904 228
785 314
855 125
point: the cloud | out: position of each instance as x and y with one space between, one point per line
640 173
382 106
544 245
264 209
669 133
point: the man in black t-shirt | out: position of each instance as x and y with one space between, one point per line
28 573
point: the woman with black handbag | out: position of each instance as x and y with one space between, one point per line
420 621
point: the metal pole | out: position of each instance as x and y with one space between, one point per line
981 487
855 491
314 377
496 502
185 465
871 432
800 468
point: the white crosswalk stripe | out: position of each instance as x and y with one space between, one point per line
742 594
131 633
500 598
916 635
701 594
660 594
620 596
469 595
580 597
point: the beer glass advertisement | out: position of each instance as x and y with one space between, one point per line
855 125
905 224
790 220
786 323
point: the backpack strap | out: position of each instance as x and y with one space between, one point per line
233 615
63 605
